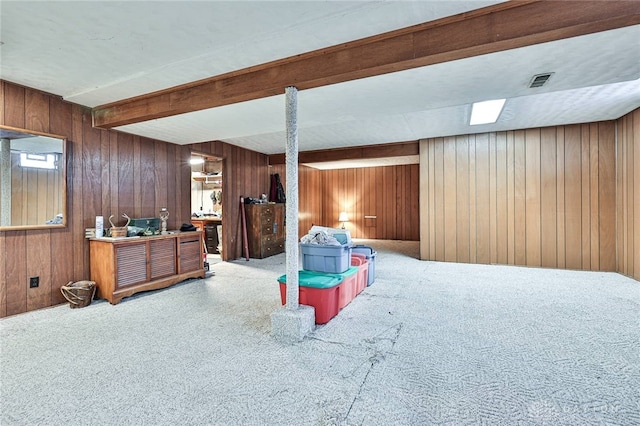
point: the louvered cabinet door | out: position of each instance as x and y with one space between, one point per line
121 268
163 258
190 253
131 264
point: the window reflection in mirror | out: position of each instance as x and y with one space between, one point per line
32 179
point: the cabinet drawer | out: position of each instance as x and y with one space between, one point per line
210 230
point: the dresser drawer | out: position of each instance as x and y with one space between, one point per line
272 248
267 212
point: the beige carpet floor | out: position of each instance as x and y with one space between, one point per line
427 343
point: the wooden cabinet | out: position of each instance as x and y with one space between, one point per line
210 228
122 267
265 229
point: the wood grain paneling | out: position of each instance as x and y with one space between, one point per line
627 195
106 169
535 197
382 202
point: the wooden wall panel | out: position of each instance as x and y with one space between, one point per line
511 199
450 201
473 208
532 197
548 198
101 180
438 191
461 194
61 239
573 197
560 199
520 232
425 178
389 196
518 197
502 231
482 199
17 285
627 194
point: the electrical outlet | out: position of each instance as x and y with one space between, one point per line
34 282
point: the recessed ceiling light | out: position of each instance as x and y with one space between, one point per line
486 112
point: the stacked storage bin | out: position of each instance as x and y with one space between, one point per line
362 263
369 254
317 290
333 261
332 275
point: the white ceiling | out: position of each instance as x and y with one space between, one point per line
96 52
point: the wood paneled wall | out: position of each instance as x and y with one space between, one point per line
536 197
628 194
108 172
310 200
244 173
389 193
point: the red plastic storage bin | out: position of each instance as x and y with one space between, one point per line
322 291
360 260
349 286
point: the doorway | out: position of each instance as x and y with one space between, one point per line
206 202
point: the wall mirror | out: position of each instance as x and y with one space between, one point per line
33 180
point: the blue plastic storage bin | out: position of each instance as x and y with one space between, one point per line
370 253
330 259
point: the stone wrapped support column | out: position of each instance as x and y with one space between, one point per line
291 159
5 182
293 322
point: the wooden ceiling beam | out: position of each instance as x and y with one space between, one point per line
504 26
398 149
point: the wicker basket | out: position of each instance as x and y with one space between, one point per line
79 294
119 231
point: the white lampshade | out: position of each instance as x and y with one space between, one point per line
343 217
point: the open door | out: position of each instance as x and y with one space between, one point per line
206 201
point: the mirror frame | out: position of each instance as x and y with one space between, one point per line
63 190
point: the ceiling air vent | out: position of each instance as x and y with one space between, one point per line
539 80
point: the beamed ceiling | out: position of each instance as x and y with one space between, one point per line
368 72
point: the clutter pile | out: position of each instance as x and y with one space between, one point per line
333 275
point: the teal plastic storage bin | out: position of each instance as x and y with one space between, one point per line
322 291
315 280
348 287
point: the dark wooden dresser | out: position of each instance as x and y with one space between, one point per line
265 229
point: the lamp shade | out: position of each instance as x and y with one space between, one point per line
343 217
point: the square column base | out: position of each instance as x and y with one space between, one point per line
292 325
